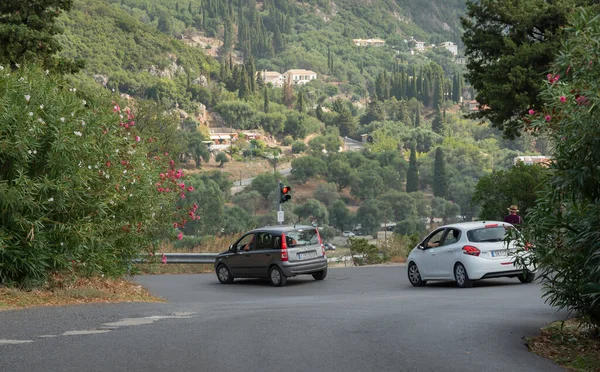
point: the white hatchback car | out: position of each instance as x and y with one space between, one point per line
465 252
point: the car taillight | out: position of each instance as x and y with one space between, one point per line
470 250
284 254
492 225
321 243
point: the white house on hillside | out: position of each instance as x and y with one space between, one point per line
450 46
420 46
368 42
299 76
272 77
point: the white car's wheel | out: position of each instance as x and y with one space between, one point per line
414 276
461 276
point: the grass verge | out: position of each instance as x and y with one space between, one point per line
78 291
571 344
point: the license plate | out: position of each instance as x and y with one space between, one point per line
305 255
503 253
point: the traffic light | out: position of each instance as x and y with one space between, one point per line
284 193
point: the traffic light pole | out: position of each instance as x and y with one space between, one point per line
279 210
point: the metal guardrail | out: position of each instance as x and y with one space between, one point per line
185 258
210 258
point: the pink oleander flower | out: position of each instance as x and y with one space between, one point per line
175 225
548 118
179 236
172 162
563 99
531 112
137 139
182 185
116 108
182 196
556 78
166 154
164 259
126 126
550 77
190 188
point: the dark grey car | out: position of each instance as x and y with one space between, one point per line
274 252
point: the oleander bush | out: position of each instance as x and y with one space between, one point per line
77 189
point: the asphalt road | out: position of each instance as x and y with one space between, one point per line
358 319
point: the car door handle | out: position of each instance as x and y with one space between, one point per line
247 255
268 255
433 253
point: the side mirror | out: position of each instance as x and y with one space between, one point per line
232 248
420 246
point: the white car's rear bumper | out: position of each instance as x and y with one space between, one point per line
482 268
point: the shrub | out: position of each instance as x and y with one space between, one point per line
563 225
370 253
78 189
287 140
298 147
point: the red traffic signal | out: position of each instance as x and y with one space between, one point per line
284 193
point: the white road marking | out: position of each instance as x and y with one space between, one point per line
14 342
85 332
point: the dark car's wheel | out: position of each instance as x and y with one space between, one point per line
320 275
414 276
224 275
276 277
528 278
461 276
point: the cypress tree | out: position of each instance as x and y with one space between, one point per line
288 92
438 95
418 115
278 43
412 175
300 102
456 88
250 70
414 88
244 86
440 179
437 125
426 93
266 103
319 112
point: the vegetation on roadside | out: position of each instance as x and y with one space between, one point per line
68 290
563 224
572 344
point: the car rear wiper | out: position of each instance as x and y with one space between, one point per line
491 240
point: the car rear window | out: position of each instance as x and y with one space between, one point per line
301 237
487 234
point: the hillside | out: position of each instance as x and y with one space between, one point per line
131 44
